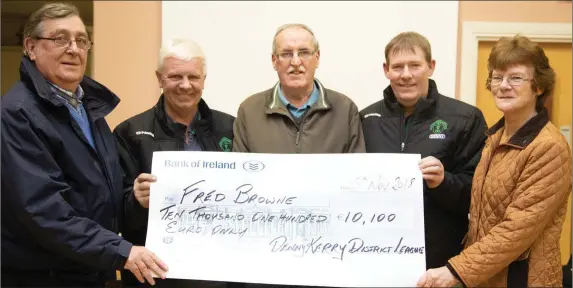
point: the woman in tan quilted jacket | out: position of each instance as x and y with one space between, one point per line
521 185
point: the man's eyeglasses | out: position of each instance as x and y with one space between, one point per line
512 81
63 41
302 54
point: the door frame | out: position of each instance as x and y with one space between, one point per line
473 32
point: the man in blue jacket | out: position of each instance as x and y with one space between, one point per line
61 178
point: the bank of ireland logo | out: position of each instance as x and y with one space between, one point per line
437 128
253 166
226 144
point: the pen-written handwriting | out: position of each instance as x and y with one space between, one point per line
243 196
339 250
380 183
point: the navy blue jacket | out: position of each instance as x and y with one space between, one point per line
61 199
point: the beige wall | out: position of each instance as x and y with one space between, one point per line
126 44
125 53
10 62
127 37
509 11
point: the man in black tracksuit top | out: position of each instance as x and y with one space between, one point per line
414 117
180 121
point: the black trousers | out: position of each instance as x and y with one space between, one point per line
129 281
50 278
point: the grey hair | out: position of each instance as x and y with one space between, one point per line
182 49
33 26
295 25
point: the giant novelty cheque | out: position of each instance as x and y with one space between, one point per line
343 220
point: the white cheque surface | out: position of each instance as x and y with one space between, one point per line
342 220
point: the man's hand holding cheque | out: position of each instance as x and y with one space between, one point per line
141 187
142 263
432 171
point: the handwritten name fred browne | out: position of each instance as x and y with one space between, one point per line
354 245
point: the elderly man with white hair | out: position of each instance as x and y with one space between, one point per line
180 121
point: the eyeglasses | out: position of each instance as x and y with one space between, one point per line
302 54
512 81
63 41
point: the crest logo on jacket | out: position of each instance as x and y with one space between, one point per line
437 128
226 144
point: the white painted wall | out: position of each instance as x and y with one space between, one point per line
237 39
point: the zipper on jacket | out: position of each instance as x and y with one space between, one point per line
406 124
402 132
400 124
113 200
113 225
299 127
297 137
200 138
102 164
